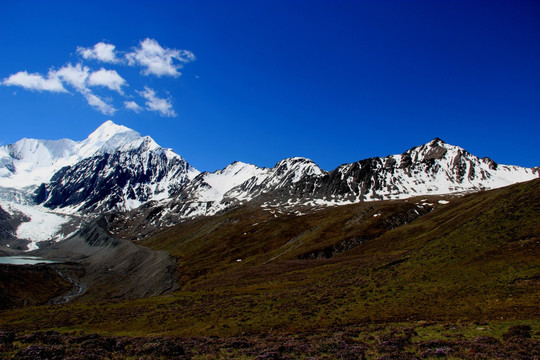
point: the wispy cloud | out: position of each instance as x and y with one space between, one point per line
35 81
101 51
98 103
157 60
107 78
80 78
133 106
154 103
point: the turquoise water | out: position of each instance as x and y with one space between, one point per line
24 260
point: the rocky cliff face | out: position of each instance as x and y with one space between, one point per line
121 180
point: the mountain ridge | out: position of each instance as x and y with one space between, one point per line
117 169
433 168
30 162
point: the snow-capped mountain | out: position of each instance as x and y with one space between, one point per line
120 180
239 182
31 162
433 168
117 169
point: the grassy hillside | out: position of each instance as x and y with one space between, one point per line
22 285
474 259
477 257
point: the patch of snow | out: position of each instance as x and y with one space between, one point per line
131 204
42 226
221 182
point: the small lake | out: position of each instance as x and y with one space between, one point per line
25 260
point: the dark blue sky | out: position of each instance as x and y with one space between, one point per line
334 81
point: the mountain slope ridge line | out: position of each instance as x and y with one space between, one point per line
116 169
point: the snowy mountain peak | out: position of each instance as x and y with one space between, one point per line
436 149
30 162
110 137
213 186
39 149
294 160
107 130
236 166
295 168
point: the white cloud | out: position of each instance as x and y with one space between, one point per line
153 103
107 78
149 55
76 75
101 51
158 60
80 77
133 106
35 81
98 103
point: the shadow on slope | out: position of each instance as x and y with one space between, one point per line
113 268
